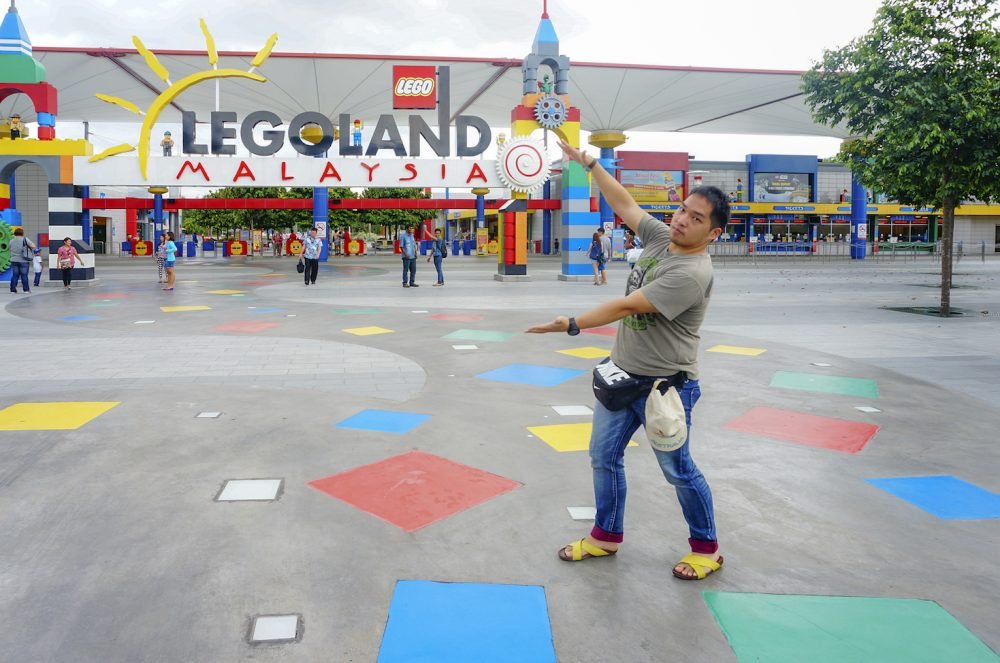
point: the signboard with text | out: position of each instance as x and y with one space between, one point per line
414 87
654 186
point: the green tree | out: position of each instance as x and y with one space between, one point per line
921 93
394 218
201 221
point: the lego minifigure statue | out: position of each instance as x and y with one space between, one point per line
356 133
167 144
4 128
545 85
17 129
501 139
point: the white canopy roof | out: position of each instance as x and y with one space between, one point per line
610 96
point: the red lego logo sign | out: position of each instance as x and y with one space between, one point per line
414 87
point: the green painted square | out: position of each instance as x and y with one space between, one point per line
827 384
833 629
357 311
478 335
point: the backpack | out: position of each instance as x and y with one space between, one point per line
444 249
596 251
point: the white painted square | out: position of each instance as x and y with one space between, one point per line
290 315
865 408
572 410
819 363
144 322
582 512
419 311
273 628
250 490
466 347
251 307
208 415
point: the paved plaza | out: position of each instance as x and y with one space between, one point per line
250 469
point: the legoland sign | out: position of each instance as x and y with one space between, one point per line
325 156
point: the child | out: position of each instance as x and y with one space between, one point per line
37 262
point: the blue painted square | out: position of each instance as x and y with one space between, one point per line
268 310
943 496
539 376
384 421
463 622
78 318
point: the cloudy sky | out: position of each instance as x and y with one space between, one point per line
764 34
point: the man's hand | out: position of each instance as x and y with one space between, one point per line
572 153
560 324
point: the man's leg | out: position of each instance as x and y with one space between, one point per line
413 271
692 489
610 434
438 260
25 282
406 267
15 275
314 270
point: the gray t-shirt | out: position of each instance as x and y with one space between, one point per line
606 247
679 286
17 247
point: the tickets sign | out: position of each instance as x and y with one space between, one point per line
414 87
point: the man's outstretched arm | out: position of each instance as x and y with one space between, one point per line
616 195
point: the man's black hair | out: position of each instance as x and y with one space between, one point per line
719 202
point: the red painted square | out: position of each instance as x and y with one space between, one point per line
603 331
414 489
246 327
810 430
456 317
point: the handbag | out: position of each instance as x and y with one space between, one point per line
444 249
666 422
26 250
300 267
65 263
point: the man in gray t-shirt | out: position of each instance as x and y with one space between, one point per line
661 314
20 260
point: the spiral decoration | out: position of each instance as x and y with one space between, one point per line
523 165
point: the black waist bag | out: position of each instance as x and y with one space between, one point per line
616 388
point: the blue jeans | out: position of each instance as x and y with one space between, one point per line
611 433
409 267
437 265
19 270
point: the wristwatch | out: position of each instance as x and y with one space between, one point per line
590 167
573 329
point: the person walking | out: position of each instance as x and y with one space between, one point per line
312 247
661 315
606 251
21 254
439 251
169 258
36 262
161 257
66 261
408 249
596 256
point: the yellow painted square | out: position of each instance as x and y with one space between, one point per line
177 309
226 292
367 331
737 350
567 437
586 353
52 416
